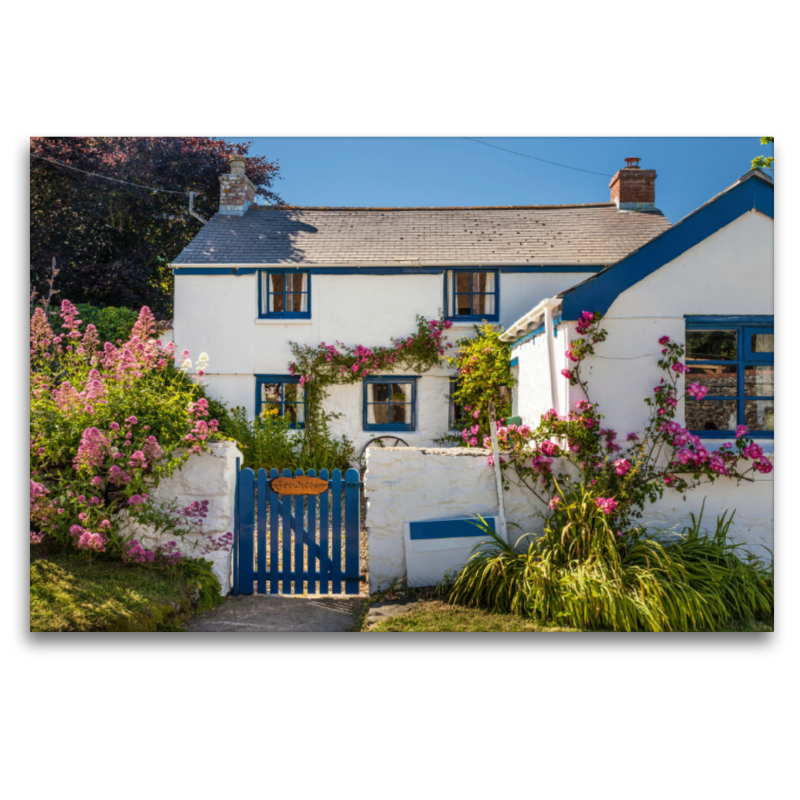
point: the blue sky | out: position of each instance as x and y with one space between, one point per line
458 172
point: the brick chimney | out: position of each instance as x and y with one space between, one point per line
634 188
236 189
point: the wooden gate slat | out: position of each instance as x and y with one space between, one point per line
274 526
336 532
247 512
311 544
286 532
352 528
299 536
324 558
261 539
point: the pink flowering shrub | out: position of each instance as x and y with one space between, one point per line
107 423
623 477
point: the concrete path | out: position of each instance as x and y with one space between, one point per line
275 612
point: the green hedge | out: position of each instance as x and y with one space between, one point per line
111 323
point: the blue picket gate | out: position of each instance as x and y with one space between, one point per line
285 542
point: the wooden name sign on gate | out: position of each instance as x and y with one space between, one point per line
302 484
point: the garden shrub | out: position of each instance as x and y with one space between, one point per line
113 324
595 565
107 423
483 365
270 442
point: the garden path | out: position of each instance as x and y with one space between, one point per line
280 613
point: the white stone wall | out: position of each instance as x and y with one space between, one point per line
416 484
208 476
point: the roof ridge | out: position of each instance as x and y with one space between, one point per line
423 208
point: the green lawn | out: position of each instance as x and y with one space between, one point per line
439 616
70 593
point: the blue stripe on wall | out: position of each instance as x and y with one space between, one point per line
446 529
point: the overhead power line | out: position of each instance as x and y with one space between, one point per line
116 180
535 158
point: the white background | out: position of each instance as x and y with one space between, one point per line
386 717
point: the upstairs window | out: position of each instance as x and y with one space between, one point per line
281 396
390 403
284 294
472 295
733 358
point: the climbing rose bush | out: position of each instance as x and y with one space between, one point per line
107 423
567 452
323 365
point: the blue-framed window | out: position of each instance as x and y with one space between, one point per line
284 294
282 396
733 358
390 403
472 295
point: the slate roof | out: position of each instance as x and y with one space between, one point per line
592 234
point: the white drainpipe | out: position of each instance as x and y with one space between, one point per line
551 353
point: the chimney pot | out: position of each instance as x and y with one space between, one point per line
237 165
237 191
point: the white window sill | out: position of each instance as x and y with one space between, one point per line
290 321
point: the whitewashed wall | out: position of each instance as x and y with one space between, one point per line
417 484
533 395
208 476
218 314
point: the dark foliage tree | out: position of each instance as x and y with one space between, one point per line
113 242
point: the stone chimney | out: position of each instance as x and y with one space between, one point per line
634 188
236 189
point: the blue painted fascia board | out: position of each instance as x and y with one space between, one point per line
598 293
378 270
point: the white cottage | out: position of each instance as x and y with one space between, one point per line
706 282
257 277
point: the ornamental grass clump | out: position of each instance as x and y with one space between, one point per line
595 565
107 423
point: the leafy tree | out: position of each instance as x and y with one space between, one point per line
113 241
764 162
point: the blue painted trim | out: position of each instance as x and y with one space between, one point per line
262 314
731 319
390 426
599 292
552 269
514 362
446 529
282 379
380 270
742 324
214 270
473 317
537 332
